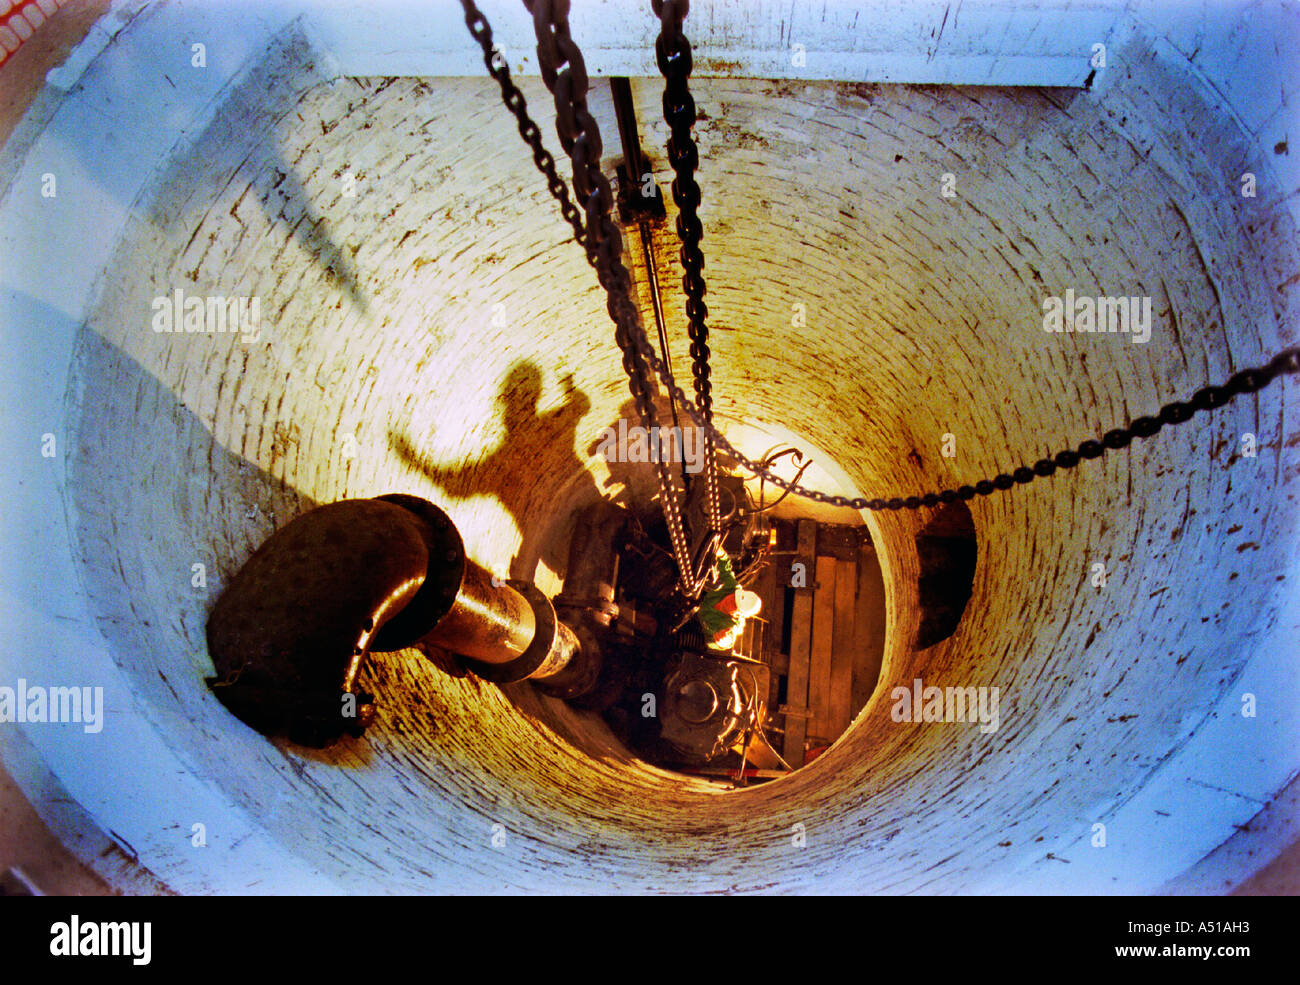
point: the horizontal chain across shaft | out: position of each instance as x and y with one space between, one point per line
1206 399
605 254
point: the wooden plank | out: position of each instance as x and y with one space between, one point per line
780 662
838 540
778 653
766 589
796 726
869 627
823 630
844 647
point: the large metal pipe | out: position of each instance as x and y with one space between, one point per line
290 633
490 623
504 631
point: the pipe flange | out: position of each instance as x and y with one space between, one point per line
526 664
582 672
442 579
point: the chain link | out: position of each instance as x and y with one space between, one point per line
565 75
514 99
673 54
1171 414
604 251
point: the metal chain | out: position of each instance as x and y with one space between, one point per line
606 255
565 75
1171 414
514 99
673 54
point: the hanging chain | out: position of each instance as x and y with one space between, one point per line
565 75
673 54
606 255
514 99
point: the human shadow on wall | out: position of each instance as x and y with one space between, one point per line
634 483
531 471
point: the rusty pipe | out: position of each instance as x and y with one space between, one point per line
504 631
551 649
489 622
291 631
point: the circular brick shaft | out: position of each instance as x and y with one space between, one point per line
425 328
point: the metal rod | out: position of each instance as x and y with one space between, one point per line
625 112
652 275
636 165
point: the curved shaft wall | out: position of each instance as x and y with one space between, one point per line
425 328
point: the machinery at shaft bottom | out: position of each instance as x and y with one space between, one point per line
291 632
666 688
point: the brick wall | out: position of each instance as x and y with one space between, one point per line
385 365
19 21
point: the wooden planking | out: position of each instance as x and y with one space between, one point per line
844 646
838 540
766 587
869 644
779 653
780 571
823 630
796 724
837 640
